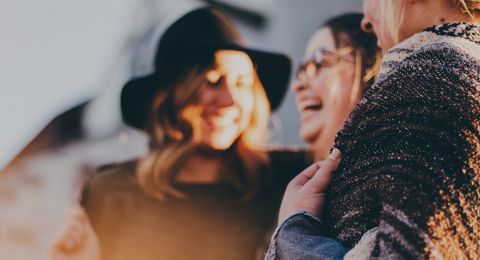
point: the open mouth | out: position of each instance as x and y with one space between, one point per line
310 105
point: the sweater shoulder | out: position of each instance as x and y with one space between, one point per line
459 55
112 179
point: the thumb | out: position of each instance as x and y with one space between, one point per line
306 174
319 182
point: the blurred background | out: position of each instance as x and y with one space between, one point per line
62 65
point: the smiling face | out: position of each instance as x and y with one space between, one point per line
325 98
225 103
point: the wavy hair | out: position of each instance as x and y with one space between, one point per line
172 140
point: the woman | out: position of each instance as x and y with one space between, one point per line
206 190
339 66
410 171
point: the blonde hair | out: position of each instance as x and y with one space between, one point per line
470 7
172 140
392 12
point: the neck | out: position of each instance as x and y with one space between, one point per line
438 12
201 169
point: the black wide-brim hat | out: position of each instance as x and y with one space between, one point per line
196 34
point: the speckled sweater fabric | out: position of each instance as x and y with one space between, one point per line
411 152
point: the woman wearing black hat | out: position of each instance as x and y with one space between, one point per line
206 190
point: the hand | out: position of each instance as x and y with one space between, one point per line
307 190
77 239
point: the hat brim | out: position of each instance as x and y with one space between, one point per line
273 70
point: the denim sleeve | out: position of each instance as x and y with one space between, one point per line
300 237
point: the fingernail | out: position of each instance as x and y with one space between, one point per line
335 154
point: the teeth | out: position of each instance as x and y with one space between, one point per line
305 104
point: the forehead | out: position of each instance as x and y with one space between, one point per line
322 39
232 60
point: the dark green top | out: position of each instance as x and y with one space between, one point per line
212 223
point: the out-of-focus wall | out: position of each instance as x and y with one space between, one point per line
54 54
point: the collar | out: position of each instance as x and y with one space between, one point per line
466 31
398 53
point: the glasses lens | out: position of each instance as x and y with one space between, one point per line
301 72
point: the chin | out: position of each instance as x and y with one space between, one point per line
309 135
220 146
220 141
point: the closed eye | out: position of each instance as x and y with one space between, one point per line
243 82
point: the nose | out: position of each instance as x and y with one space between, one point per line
225 97
366 25
299 85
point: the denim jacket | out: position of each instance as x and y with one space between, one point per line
300 237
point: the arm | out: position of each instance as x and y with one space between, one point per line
413 152
300 237
411 148
299 234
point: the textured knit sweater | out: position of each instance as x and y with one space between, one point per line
411 151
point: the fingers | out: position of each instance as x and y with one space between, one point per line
306 174
72 235
319 182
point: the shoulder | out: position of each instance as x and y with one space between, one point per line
430 67
112 179
447 58
116 171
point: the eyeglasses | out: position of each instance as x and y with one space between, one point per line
322 59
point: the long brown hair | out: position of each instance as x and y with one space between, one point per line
347 33
172 139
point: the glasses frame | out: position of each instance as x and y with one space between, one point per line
311 68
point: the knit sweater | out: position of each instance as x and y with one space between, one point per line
411 151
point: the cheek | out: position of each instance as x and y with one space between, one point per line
321 83
335 88
205 97
328 84
244 99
